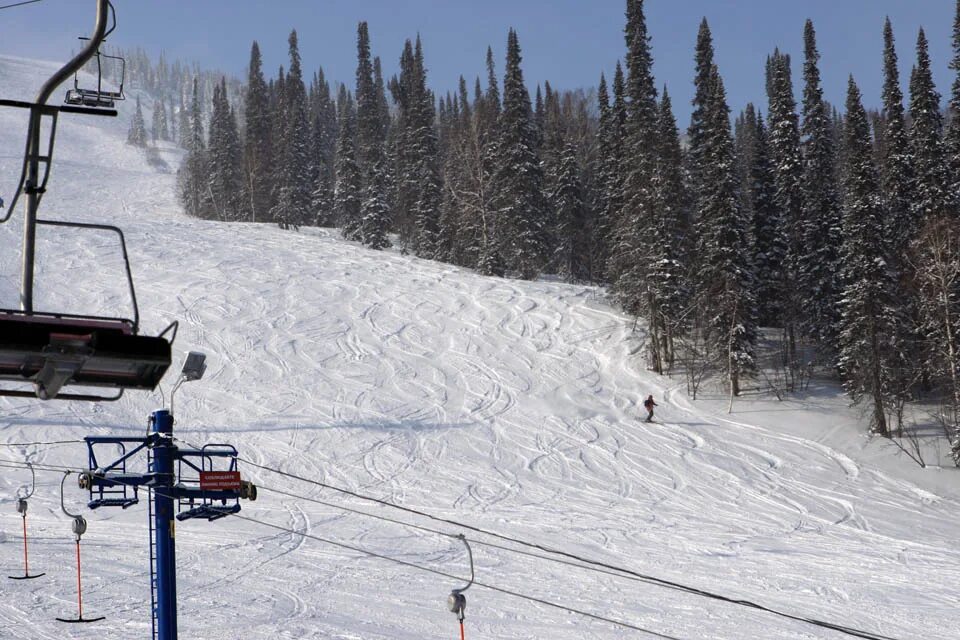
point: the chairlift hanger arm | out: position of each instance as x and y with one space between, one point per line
75 64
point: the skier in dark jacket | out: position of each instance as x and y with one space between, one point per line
649 404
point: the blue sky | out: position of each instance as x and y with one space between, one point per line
568 42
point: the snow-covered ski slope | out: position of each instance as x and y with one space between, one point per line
508 405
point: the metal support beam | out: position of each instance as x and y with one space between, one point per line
164 453
32 184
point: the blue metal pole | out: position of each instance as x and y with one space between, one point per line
163 458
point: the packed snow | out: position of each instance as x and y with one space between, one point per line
507 405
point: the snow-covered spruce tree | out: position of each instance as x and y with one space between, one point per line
137 136
818 268
348 190
292 207
323 136
605 171
571 253
416 168
628 260
769 240
869 298
725 297
930 180
518 179
192 174
159 130
895 157
184 126
370 137
224 173
374 211
612 187
667 283
953 132
703 59
257 146
901 227
784 146
488 113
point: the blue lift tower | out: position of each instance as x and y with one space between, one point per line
186 483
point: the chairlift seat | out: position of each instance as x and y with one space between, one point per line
209 512
53 351
93 98
113 502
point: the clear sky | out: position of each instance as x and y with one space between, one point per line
568 42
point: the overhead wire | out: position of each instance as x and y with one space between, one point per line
851 631
19 4
38 444
612 569
516 594
412 565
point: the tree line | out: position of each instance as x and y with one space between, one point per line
840 230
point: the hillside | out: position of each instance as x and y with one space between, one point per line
508 405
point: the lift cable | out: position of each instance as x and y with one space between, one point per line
851 631
490 587
19 4
482 543
40 444
508 592
620 571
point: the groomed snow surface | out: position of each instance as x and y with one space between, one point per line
508 405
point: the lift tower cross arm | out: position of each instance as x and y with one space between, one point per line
198 483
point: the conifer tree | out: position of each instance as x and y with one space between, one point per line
159 128
930 180
369 115
292 206
819 213
137 136
895 158
953 132
725 296
900 225
767 228
606 171
572 250
224 173
324 137
518 181
487 114
185 126
257 144
667 285
348 191
374 212
701 82
784 146
192 173
868 300
421 140
628 266
370 137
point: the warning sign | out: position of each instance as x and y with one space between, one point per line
220 481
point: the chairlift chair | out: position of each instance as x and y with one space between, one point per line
53 350
98 98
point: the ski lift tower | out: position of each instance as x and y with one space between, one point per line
200 483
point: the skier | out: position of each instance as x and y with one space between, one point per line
649 404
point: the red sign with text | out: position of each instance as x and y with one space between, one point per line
220 481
